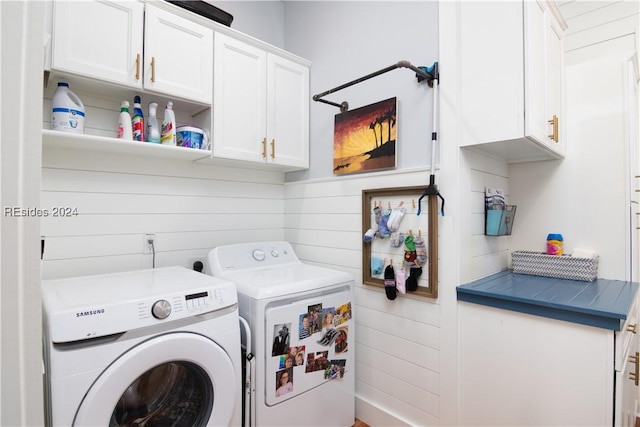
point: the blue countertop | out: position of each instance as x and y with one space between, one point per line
602 303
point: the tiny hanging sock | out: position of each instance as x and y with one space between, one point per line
376 266
396 239
390 282
409 252
412 280
370 235
395 217
377 212
421 251
401 276
383 229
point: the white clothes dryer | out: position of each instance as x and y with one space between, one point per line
157 347
302 335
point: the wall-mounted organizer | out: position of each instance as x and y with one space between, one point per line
498 215
381 248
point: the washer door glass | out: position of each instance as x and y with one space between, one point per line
172 394
176 379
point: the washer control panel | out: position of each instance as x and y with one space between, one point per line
94 306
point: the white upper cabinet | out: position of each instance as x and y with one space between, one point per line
261 105
511 78
178 56
105 40
102 39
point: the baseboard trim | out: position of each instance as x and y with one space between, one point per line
375 416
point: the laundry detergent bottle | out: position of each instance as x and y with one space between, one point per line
67 114
168 136
153 127
124 122
137 122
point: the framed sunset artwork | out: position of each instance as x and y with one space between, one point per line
364 139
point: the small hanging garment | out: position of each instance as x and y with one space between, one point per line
390 282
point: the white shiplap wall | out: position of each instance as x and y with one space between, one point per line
397 342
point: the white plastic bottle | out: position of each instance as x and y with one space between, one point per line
168 136
153 128
125 130
68 111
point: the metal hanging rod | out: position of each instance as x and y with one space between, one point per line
422 73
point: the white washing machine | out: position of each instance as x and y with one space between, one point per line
302 335
147 348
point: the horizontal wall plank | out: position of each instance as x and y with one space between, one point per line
319 222
401 327
590 14
157 223
415 375
118 203
418 354
396 407
601 34
324 205
350 240
410 395
79 160
115 182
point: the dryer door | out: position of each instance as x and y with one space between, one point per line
177 379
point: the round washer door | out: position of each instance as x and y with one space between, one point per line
171 366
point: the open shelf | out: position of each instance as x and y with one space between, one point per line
57 139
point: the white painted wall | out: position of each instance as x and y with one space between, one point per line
347 40
21 37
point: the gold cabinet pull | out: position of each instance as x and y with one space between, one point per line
632 328
153 69
554 124
273 148
264 147
635 376
138 67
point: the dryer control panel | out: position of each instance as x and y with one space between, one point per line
244 256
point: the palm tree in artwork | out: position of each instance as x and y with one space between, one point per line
389 116
372 126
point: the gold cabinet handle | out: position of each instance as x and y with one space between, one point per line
273 148
138 67
554 124
635 376
632 328
153 69
264 147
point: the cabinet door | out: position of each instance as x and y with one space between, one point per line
178 56
535 72
287 112
627 389
239 100
99 39
555 82
543 76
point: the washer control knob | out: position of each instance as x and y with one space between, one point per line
258 255
275 253
161 309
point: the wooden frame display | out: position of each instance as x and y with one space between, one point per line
411 223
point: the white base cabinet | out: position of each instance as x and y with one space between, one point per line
520 369
261 105
511 78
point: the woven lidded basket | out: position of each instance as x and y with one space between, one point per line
562 267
